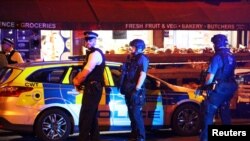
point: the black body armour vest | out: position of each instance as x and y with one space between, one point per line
97 72
133 71
226 72
131 74
9 57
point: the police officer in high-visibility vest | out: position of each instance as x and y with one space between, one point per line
220 73
134 73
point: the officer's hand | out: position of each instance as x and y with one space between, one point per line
138 98
75 82
78 87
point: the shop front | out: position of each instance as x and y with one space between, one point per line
168 28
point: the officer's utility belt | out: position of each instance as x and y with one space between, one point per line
91 83
94 82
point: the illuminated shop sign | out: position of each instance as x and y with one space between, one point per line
170 26
122 26
28 25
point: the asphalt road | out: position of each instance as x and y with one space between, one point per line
151 136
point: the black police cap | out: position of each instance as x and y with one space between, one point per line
90 35
7 41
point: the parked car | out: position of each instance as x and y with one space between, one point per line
240 104
39 97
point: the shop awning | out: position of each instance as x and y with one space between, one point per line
124 15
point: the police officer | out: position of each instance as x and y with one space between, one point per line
220 72
134 72
91 77
12 55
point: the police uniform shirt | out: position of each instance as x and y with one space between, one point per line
144 63
94 59
215 64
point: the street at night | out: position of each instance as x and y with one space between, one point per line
151 136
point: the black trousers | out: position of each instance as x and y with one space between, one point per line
218 99
88 123
135 102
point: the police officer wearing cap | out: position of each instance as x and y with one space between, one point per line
134 73
91 77
221 73
12 55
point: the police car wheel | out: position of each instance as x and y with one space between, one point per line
186 120
53 125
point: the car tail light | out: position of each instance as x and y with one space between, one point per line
13 91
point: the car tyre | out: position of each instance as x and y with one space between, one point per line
53 125
186 120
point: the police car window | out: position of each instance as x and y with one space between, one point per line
247 79
4 74
50 75
151 84
116 73
243 79
73 73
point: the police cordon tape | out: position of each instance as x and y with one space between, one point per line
215 132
